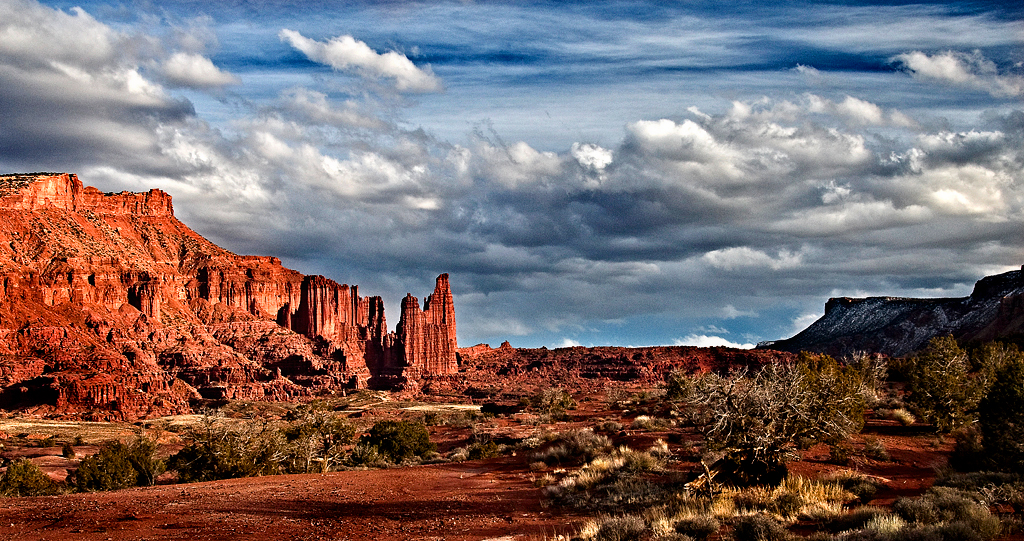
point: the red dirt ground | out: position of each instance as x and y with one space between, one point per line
464 501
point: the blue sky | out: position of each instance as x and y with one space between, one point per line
608 173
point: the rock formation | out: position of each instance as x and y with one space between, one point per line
897 326
111 307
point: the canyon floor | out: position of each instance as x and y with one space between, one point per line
472 500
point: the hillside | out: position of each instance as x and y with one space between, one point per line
897 326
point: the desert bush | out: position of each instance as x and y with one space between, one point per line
756 417
553 402
364 454
479 450
398 441
620 528
874 448
698 527
903 416
947 506
118 466
609 426
67 451
24 478
940 385
219 450
575 446
968 450
316 439
840 453
759 528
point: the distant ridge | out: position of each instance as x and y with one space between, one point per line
897 326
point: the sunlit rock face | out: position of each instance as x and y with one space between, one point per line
111 307
897 326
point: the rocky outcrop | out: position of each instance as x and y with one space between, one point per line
111 307
897 326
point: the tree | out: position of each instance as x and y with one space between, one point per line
940 385
754 418
1001 418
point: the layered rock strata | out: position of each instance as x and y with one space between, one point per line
112 307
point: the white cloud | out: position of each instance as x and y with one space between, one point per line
705 341
744 256
971 70
196 71
346 52
568 343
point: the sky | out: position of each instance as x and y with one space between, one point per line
605 173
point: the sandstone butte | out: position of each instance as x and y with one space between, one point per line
111 308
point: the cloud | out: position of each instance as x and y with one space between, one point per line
196 71
346 52
705 341
970 70
744 256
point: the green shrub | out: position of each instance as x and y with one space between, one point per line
67 451
398 441
759 528
118 466
220 451
24 478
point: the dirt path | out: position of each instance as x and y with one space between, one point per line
465 501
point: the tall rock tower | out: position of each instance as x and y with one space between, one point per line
427 337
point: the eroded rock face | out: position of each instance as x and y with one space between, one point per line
112 308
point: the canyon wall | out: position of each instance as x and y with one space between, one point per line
111 307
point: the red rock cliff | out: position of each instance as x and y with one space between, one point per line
111 307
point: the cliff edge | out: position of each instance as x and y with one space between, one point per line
110 307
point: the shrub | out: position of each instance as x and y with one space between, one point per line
553 402
698 527
575 446
67 451
940 385
24 478
316 439
874 448
624 528
221 451
756 418
118 466
840 453
479 450
398 441
759 528
903 416
947 506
